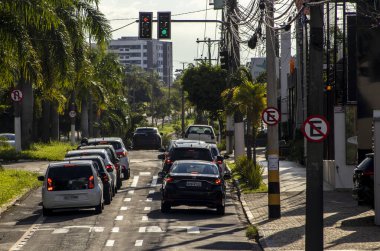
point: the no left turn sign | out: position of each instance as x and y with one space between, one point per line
270 116
316 128
16 95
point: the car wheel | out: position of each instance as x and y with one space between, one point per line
220 209
46 212
107 197
165 207
99 208
113 190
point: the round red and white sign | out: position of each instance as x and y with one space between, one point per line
316 128
271 116
72 114
16 95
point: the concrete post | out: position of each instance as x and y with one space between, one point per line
376 185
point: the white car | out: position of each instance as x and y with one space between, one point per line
71 185
201 132
9 138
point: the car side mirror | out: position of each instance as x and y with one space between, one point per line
162 134
41 178
226 156
219 158
227 176
109 169
161 156
161 174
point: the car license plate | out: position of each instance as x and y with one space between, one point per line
193 184
71 197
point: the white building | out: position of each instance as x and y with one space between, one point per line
257 66
148 54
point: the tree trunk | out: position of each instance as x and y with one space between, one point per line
54 117
96 122
27 105
254 142
90 117
84 118
45 132
220 121
249 138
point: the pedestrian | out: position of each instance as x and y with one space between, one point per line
83 142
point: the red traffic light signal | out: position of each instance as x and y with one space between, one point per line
164 25
145 25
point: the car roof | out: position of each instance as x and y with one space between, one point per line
194 161
96 147
84 157
200 125
68 162
184 141
105 139
88 150
197 144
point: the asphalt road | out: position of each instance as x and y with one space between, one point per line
133 221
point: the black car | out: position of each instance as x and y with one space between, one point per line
146 138
193 183
363 179
186 151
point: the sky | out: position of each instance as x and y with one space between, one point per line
184 35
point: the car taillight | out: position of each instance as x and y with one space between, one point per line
218 181
105 177
168 161
368 173
50 184
122 154
117 166
91 183
169 179
109 168
219 162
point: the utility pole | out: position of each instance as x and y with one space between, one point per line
183 106
209 43
274 205
314 171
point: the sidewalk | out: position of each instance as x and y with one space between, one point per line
347 226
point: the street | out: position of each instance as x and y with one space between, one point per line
133 221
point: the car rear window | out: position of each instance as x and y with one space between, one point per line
195 168
366 164
214 151
70 177
85 154
191 153
146 130
199 130
115 144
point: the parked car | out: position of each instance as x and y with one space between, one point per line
120 149
186 151
201 132
103 172
146 138
218 158
193 183
71 184
106 158
8 138
363 179
113 157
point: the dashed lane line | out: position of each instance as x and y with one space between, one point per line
144 218
154 181
124 208
144 173
110 243
119 217
135 180
139 243
151 229
149 200
131 192
151 191
115 230
28 234
127 199
146 208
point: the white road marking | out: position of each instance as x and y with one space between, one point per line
127 199
149 200
61 231
151 191
115 230
144 218
139 243
124 208
131 192
97 229
28 234
151 229
134 182
146 208
154 181
192 229
119 217
110 243
144 173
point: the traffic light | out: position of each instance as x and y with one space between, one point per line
224 60
328 86
145 25
164 23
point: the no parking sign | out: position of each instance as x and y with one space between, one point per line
271 116
316 128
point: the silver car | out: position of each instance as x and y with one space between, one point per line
71 184
8 138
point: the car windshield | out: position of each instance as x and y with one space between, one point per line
366 164
195 168
70 177
199 130
7 137
146 130
191 153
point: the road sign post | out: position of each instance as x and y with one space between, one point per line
16 96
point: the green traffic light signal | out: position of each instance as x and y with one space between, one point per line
163 26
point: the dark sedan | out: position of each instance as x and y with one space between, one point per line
146 138
193 183
363 179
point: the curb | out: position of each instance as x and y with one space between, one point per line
13 202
